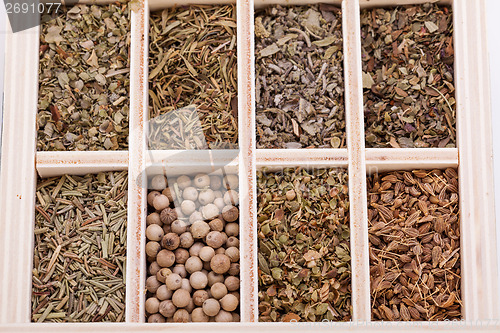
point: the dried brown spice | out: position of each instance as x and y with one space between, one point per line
80 248
414 236
304 250
299 77
192 63
83 98
408 76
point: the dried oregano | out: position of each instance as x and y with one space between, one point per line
304 252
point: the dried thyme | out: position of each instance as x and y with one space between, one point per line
414 235
304 252
407 55
299 77
192 62
80 249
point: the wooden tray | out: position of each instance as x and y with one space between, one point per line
20 162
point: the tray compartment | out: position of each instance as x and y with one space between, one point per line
193 78
84 81
410 96
201 218
304 251
80 248
414 236
299 76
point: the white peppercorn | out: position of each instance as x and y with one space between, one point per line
163 293
181 316
229 302
214 278
167 308
216 225
162 274
153 218
218 290
181 255
180 269
183 182
190 193
232 283
206 253
188 207
215 182
173 281
230 213
233 242
152 284
210 211
201 180
206 196
198 280
168 215
152 248
200 296
223 316
198 316
165 258
194 250
181 298
193 264
152 305
231 197
215 239
231 182
186 285
179 227
195 216
219 202
211 307
151 196
154 232
220 263
234 269
158 182
200 229
160 202
156 318
233 253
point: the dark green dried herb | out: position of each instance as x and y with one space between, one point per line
407 55
299 77
83 99
304 252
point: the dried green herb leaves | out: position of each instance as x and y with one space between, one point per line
83 99
192 61
414 235
80 248
407 55
299 77
304 252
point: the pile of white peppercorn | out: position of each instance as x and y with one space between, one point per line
192 249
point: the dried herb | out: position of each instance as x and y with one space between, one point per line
304 252
414 235
83 99
407 55
80 248
299 77
192 61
